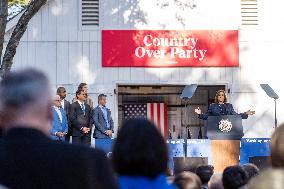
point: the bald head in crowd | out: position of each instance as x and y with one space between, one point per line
25 100
277 147
215 182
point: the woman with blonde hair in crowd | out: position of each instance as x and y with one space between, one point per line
269 179
277 147
187 180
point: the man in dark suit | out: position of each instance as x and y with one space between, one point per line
29 159
80 117
61 91
102 120
84 87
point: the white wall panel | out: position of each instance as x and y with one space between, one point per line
55 43
75 62
62 60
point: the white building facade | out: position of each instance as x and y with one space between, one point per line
60 42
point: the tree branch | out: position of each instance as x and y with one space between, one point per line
3 22
33 7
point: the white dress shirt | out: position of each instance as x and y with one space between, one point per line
62 104
58 112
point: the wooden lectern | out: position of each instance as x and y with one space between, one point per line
225 133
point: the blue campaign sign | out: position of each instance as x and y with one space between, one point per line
104 144
254 147
176 149
199 148
175 146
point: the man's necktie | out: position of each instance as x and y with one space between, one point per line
83 108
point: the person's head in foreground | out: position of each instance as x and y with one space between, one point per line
277 147
25 100
215 182
140 155
234 177
268 179
204 172
187 180
28 158
251 170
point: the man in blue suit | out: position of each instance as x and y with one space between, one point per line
102 119
59 124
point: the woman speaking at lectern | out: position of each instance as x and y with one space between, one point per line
221 107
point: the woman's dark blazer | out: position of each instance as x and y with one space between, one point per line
220 109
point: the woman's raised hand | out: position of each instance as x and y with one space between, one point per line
197 110
250 112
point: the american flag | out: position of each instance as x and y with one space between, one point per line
156 112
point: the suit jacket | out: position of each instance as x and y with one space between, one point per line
100 123
31 160
67 109
217 110
80 119
57 126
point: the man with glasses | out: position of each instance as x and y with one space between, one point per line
59 125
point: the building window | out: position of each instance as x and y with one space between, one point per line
89 14
249 12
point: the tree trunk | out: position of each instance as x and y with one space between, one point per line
3 22
33 7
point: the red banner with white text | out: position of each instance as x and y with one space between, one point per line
170 48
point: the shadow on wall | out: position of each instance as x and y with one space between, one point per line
135 13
